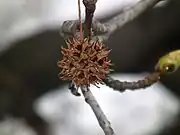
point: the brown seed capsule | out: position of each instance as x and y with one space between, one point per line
84 63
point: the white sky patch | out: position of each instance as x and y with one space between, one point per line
131 113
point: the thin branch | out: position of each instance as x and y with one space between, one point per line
122 86
90 6
102 119
129 14
80 23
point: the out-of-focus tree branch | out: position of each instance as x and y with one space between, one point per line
104 30
129 14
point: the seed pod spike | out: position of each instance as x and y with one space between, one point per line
81 52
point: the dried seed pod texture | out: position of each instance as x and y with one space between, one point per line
84 63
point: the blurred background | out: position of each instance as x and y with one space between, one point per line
33 100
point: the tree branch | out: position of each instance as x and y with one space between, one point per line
122 86
90 6
103 31
80 29
102 119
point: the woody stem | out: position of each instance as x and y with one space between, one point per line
90 7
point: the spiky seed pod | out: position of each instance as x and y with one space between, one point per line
84 63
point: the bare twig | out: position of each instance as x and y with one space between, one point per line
90 6
79 8
122 86
102 119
